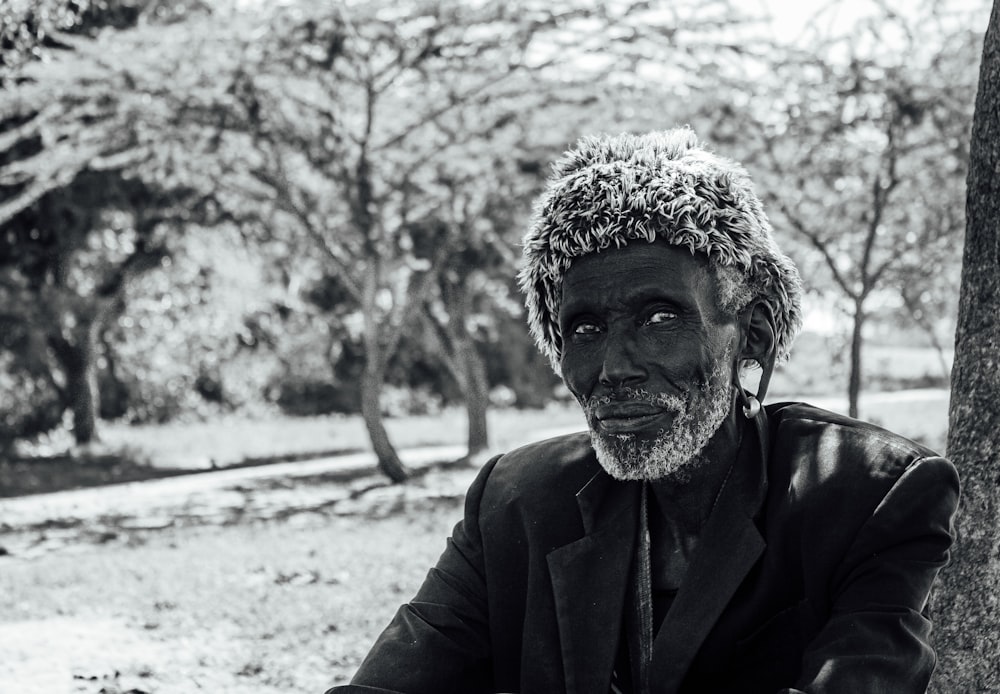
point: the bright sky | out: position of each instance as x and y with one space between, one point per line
789 17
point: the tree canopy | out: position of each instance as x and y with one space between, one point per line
376 162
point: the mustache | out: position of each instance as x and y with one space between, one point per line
668 401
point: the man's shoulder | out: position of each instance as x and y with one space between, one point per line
808 418
808 436
563 465
828 474
553 457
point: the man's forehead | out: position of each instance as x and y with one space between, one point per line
638 253
657 264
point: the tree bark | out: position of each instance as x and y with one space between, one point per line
389 463
965 603
459 355
477 399
78 359
81 381
854 377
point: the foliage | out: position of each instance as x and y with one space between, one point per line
862 148
198 336
65 262
93 190
375 163
31 30
409 114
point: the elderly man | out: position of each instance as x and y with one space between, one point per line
693 541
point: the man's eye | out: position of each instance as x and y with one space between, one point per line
585 328
662 316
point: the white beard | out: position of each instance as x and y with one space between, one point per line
674 452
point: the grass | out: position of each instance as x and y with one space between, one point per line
235 440
256 609
129 453
260 607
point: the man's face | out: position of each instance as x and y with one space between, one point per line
649 355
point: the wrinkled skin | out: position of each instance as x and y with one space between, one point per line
652 358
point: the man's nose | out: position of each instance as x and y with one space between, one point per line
622 365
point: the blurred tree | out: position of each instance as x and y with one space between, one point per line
479 217
201 335
965 604
32 30
104 103
929 301
326 104
514 365
89 189
39 29
335 137
368 124
65 262
863 149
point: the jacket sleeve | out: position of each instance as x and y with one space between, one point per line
439 642
876 639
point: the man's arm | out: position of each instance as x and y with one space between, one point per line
877 638
439 642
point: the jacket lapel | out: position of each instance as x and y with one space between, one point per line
729 546
589 581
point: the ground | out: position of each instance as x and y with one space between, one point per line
285 595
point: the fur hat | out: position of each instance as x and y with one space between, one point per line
609 191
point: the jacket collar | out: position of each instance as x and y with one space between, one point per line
590 576
729 546
589 582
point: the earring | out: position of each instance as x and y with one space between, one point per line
752 408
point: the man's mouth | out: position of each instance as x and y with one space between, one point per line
628 417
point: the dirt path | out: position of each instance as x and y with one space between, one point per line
344 485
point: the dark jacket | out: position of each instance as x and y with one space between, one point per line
811 574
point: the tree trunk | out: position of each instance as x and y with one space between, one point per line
964 606
78 359
371 410
854 377
459 355
477 398
81 384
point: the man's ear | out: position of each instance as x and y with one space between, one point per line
757 340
